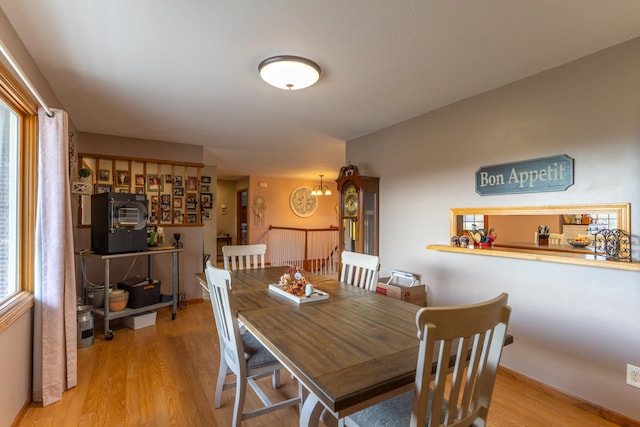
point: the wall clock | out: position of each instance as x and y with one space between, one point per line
302 203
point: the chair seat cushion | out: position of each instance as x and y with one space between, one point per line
255 353
395 411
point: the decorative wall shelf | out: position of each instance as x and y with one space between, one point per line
540 255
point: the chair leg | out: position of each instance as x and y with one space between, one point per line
302 394
222 374
238 407
275 380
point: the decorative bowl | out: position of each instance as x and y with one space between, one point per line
118 300
578 243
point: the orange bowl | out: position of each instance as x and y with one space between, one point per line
118 300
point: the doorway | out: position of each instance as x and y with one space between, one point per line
241 216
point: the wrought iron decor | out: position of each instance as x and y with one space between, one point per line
614 244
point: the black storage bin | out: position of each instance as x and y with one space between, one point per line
142 292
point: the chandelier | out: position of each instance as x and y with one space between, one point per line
322 190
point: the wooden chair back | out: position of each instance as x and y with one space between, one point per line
471 337
240 354
241 257
460 349
556 239
360 270
219 283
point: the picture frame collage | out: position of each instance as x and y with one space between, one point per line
177 193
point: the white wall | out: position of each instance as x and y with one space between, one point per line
575 327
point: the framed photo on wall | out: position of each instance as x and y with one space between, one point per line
100 188
104 175
178 216
192 183
206 200
122 178
155 183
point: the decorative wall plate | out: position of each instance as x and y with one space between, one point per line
302 203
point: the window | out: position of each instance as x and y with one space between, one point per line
18 186
9 168
468 221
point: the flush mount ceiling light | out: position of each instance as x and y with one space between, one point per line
289 72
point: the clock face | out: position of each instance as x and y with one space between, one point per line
350 201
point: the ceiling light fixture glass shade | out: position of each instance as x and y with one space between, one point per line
289 72
321 190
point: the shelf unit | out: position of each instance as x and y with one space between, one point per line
105 313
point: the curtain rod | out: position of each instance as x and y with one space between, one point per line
24 78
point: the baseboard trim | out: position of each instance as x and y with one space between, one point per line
601 412
23 410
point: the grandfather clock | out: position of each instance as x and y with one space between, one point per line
358 211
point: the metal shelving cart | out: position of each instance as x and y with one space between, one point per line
108 315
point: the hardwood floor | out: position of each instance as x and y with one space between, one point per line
165 375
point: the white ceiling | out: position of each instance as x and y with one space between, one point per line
186 71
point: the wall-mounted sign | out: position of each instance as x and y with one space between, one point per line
528 176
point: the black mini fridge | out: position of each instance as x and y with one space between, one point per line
118 223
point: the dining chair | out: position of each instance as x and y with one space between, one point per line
242 354
241 257
460 349
556 239
360 270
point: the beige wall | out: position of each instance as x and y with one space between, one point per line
521 228
276 192
226 191
575 327
279 213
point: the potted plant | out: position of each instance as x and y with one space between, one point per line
84 173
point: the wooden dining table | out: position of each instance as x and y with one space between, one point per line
352 350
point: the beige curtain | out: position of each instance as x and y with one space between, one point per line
55 324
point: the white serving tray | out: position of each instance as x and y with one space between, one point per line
316 296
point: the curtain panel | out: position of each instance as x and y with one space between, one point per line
55 323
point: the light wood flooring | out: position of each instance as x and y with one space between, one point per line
164 375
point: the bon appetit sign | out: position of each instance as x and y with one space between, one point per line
528 176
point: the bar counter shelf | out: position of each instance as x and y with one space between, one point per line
576 256
165 300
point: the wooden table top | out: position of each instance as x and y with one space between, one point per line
349 349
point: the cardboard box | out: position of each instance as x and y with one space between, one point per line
142 291
403 286
140 320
